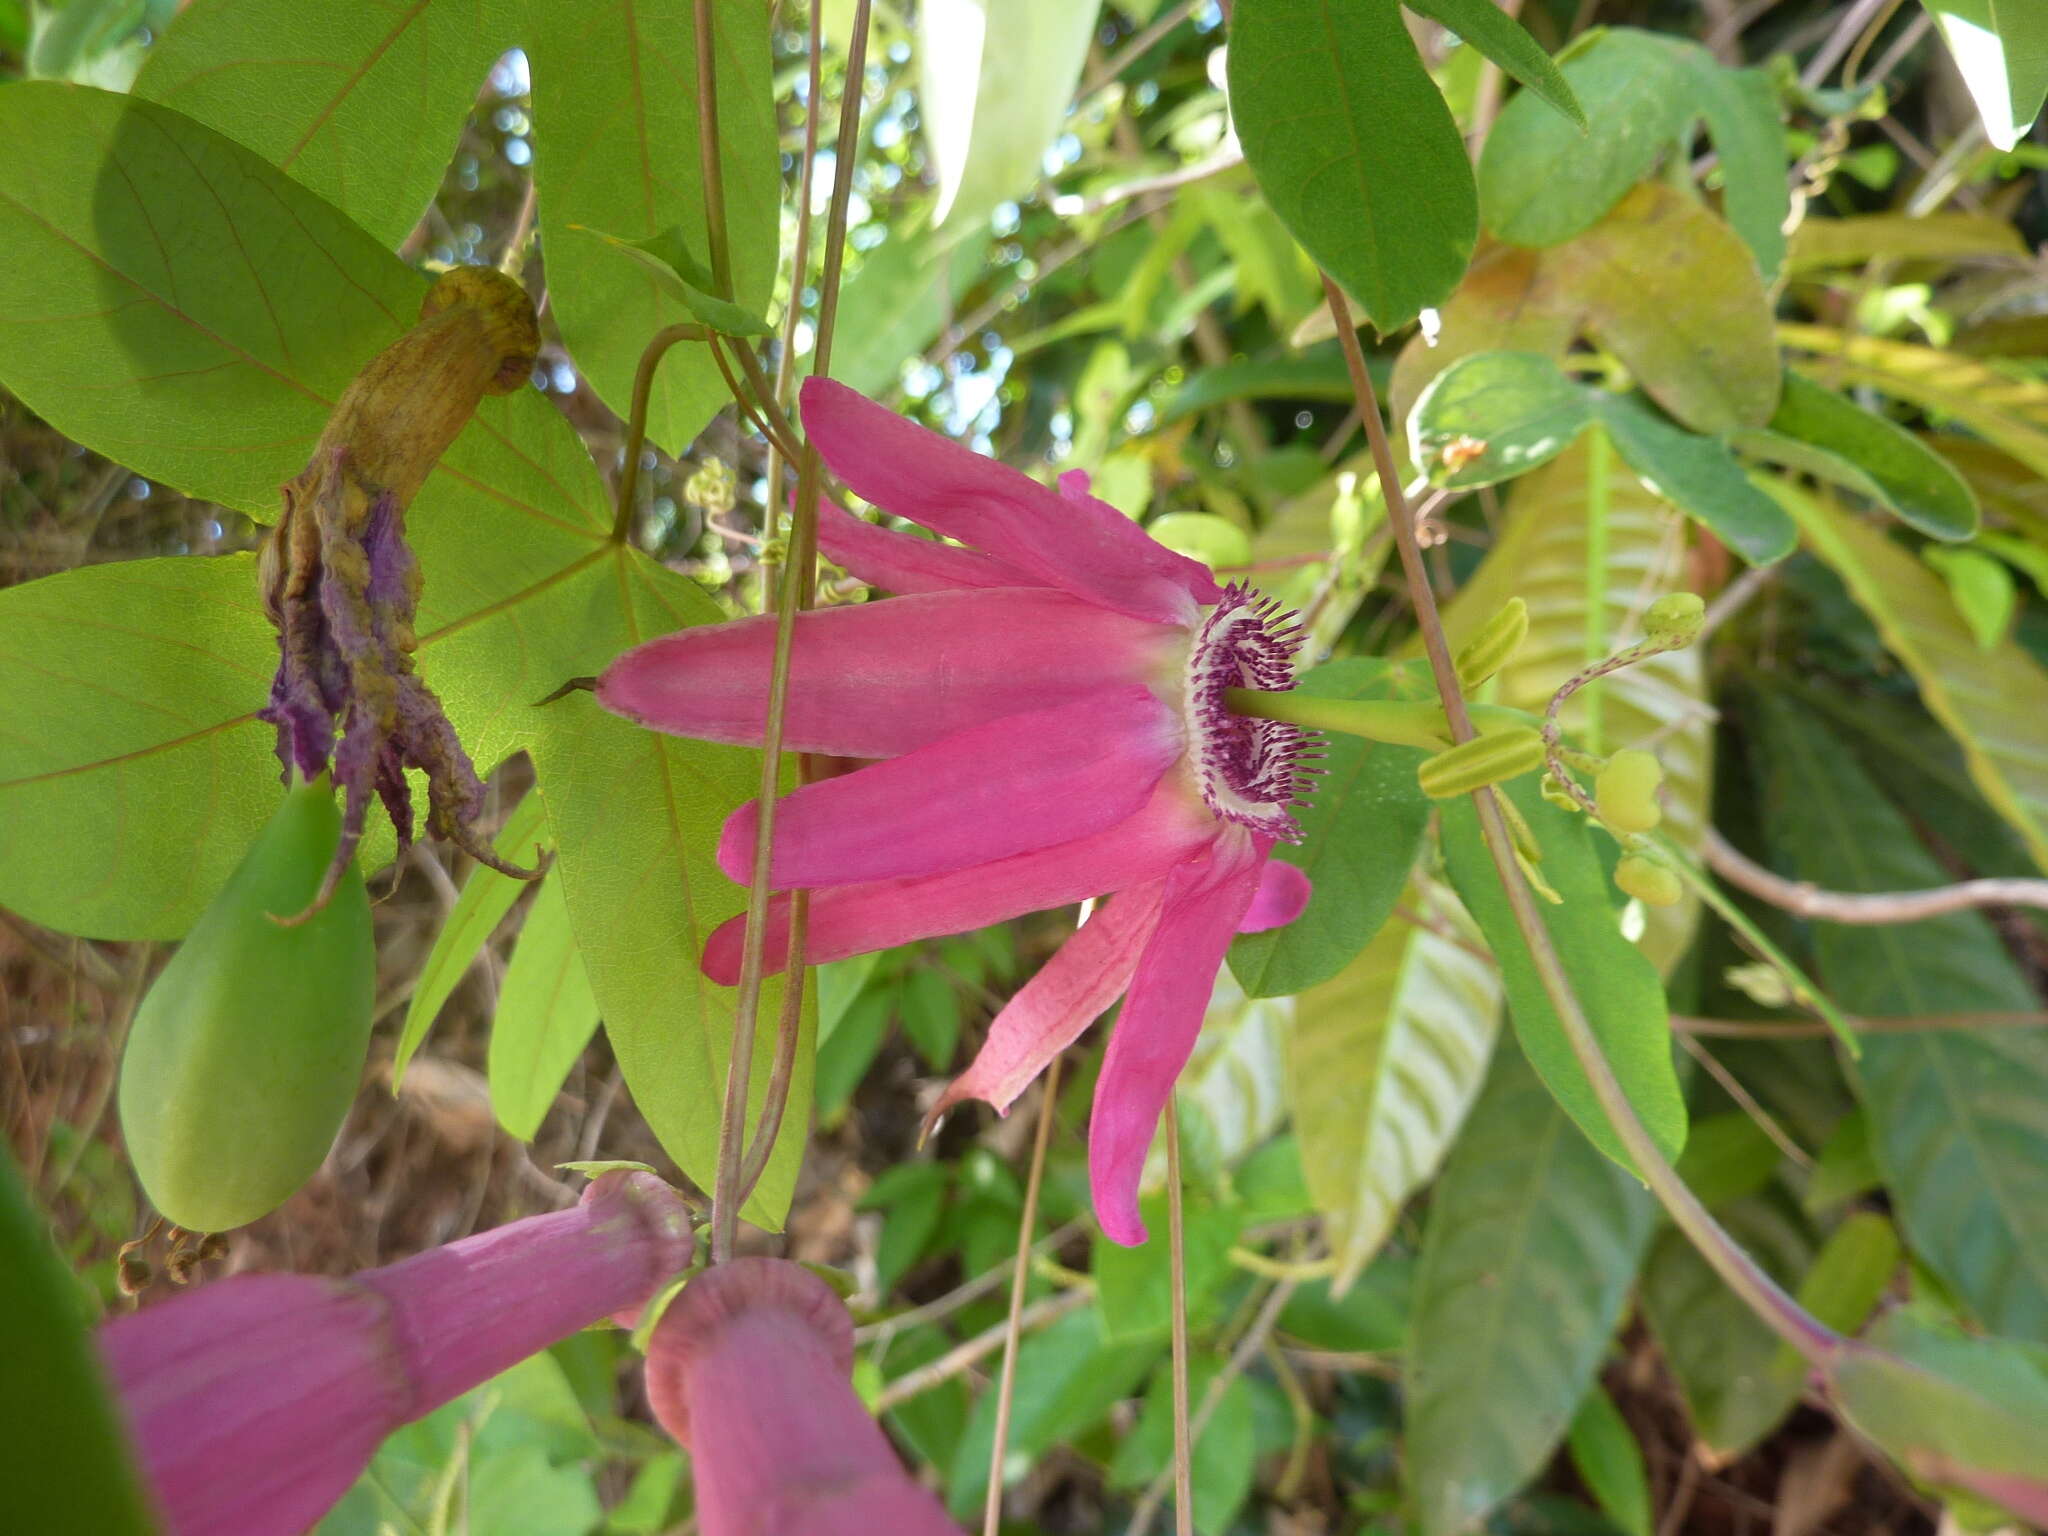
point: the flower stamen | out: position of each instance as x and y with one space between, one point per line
1250 771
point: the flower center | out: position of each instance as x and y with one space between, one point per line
1251 772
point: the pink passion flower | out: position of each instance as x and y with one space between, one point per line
1046 712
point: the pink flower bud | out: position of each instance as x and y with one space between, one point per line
255 1402
748 1369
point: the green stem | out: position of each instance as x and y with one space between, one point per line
1814 1341
636 421
1398 722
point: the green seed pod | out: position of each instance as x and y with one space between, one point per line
1626 791
245 1056
1648 881
1491 649
1481 761
1674 619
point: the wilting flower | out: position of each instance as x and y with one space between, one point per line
342 587
1049 709
748 1370
256 1401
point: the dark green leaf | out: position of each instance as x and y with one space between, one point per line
930 1014
1532 1243
1623 999
1222 1454
844 1059
1726 1157
1701 477
914 1199
1500 37
1131 1283
1355 149
1744 121
1371 1318
1361 830
1605 1452
1846 1167
1495 415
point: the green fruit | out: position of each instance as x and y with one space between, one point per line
1626 791
245 1056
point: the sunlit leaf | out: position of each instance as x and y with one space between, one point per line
1501 38
668 257
1495 415
1532 1242
1385 1060
1354 148
2001 47
546 1015
364 104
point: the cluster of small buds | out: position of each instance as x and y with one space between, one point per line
713 488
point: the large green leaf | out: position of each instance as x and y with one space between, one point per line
1614 980
616 149
1361 830
636 817
64 1457
133 771
182 306
1541 556
994 83
1384 1061
362 103
2001 47
1532 1242
546 1015
1971 690
1354 148
1721 1353
1959 1118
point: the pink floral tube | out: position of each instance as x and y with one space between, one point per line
748 1370
255 1402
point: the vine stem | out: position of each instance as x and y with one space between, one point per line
1818 1344
1177 1269
992 1510
797 581
636 420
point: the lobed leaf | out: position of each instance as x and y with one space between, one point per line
546 1015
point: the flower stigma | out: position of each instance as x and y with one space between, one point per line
1251 772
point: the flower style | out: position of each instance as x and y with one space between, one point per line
1047 708
255 1401
748 1370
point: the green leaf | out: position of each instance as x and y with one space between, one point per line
133 771
1744 121
1502 39
1874 457
1361 830
1623 999
1542 181
1961 1413
1542 557
1849 1277
1846 1167
64 1457
636 817
994 84
1354 148
1495 415
1067 1379
1969 690
844 1059
546 1015
1131 1283
1852 241
1958 1118
363 104
487 896
914 1195
2001 47
1371 1318
667 256
1232 1094
1532 1242
1384 1062
615 104
1609 1461
1701 477
1727 1156
895 305
1510 301
1221 1458
1983 588
930 1014
1722 1354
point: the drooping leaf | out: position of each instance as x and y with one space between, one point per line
1958 1118
2001 47
1605 1452
64 1456
1615 982
1700 477
1532 1242
364 104
994 84
616 148
1354 148
1721 1353
1384 1061
1541 557
1500 37
486 897
1360 833
546 1015
1874 457
1971 690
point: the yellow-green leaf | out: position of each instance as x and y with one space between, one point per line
546 1015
